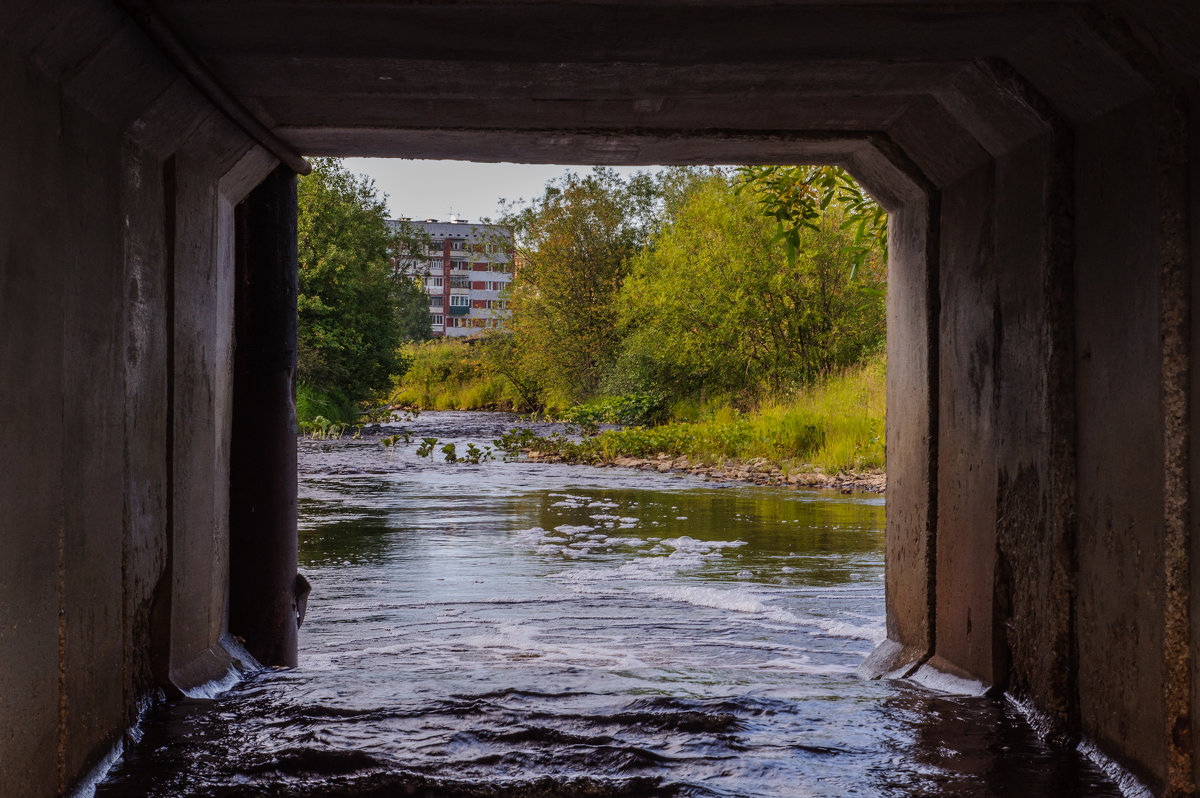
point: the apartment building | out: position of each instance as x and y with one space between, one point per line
465 268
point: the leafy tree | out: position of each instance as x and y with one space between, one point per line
354 306
798 198
573 248
410 245
721 303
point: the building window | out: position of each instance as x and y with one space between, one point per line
459 264
435 282
460 301
460 281
436 301
438 319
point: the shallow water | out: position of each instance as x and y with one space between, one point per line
522 629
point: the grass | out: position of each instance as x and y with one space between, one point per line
447 374
835 426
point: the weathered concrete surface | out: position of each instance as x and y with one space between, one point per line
97 489
1042 164
1120 508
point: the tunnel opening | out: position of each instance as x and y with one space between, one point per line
1045 543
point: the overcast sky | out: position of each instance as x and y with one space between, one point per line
435 189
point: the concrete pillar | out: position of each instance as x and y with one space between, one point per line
262 474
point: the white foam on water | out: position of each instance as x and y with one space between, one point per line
573 530
933 679
88 784
804 665
686 543
1129 784
632 542
732 599
873 632
215 687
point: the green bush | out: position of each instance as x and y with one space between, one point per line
837 425
449 374
312 402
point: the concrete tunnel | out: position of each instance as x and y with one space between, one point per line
1041 162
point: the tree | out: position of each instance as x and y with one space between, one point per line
352 301
410 245
798 197
573 248
719 302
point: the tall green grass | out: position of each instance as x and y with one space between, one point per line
835 426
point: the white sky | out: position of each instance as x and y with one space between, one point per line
434 189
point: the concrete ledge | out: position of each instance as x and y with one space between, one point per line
891 660
215 669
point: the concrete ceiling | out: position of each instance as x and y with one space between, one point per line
939 86
379 78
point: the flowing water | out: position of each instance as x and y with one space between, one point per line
521 629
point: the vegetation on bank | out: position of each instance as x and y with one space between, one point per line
836 425
717 314
695 283
355 308
452 374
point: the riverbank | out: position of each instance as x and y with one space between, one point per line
755 472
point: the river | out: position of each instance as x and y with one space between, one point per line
527 629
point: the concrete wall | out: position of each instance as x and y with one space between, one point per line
1061 481
114 366
1121 533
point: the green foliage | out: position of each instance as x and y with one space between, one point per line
627 409
451 454
799 197
718 306
313 402
836 426
425 449
574 244
475 455
450 374
321 428
687 294
390 443
354 308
